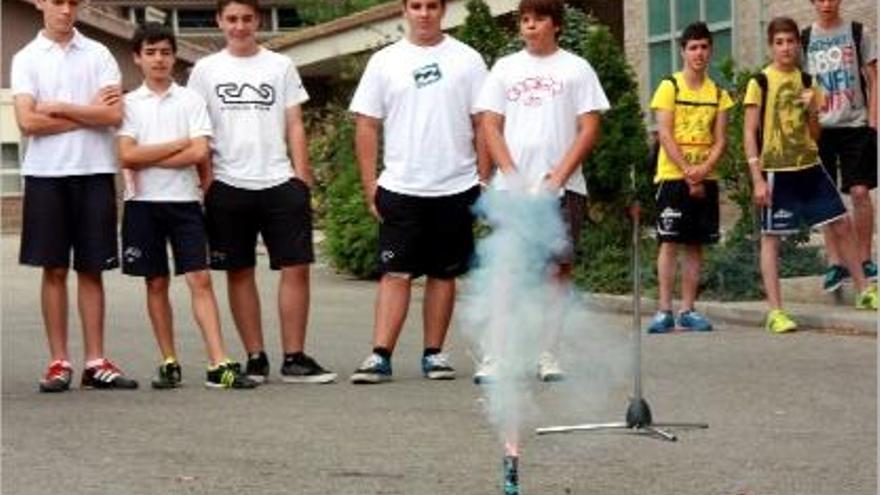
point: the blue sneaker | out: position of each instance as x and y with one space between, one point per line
691 320
869 268
437 367
834 277
663 322
374 369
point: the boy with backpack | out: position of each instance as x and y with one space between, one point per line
164 135
691 112
780 133
843 58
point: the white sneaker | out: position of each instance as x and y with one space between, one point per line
486 371
548 368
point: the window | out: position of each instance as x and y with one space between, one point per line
288 17
10 169
196 19
666 20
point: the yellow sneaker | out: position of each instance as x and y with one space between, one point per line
867 299
778 321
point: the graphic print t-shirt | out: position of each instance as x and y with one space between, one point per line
833 60
425 96
247 99
787 141
541 99
694 124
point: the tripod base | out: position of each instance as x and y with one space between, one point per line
638 422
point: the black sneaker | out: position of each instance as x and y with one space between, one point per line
257 368
228 375
168 375
106 376
303 369
57 377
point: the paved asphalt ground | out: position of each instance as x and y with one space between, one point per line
792 414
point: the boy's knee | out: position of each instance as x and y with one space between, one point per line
860 195
55 275
199 281
158 285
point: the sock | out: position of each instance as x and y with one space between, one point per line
94 362
294 357
382 351
169 360
430 351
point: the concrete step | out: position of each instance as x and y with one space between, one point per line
808 290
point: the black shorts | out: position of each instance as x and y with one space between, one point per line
63 213
148 226
573 206
852 152
684 219
431 236
798 198
282 215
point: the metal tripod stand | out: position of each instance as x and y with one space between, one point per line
638 415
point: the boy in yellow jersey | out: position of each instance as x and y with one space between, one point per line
782 112
691 113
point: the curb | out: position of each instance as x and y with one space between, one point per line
752 313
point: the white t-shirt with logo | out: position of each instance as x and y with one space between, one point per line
541 99
73 74
425 96
152 118
247 100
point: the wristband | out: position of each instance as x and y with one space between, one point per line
753 160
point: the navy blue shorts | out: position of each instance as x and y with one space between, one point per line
799 198
148 227
75 213
684 219
282 215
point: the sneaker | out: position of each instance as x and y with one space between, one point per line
778 321
168 375
304 370
228 375
257 367
374 369
548 368
663 322
437 367
486 371
57 378
691 320
834 277
869 268
106 376
867 299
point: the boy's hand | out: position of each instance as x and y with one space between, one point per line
370 199
51 108
553 181
808 100
761 193
108 95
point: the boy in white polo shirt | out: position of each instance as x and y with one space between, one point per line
420 92
542 114
164 134
261 185
67 99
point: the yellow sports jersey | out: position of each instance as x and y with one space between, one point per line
694 125
787 144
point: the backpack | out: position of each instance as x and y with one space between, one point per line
857 41
654 152
761 79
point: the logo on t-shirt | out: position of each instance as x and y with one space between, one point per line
427 75
534 91
246 94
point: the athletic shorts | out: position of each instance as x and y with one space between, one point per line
573 207
431 236
76 213
798 198
282 215
148 227
853 152
684 219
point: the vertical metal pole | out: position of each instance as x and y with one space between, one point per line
637 301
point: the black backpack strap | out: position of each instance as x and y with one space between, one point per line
761 79
805 38
806 79
857 41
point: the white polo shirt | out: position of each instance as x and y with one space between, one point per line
425 96
152 118
248 98
73 74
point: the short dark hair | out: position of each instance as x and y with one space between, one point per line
782 25
221 4
696 31
554 9
152 32
442 2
